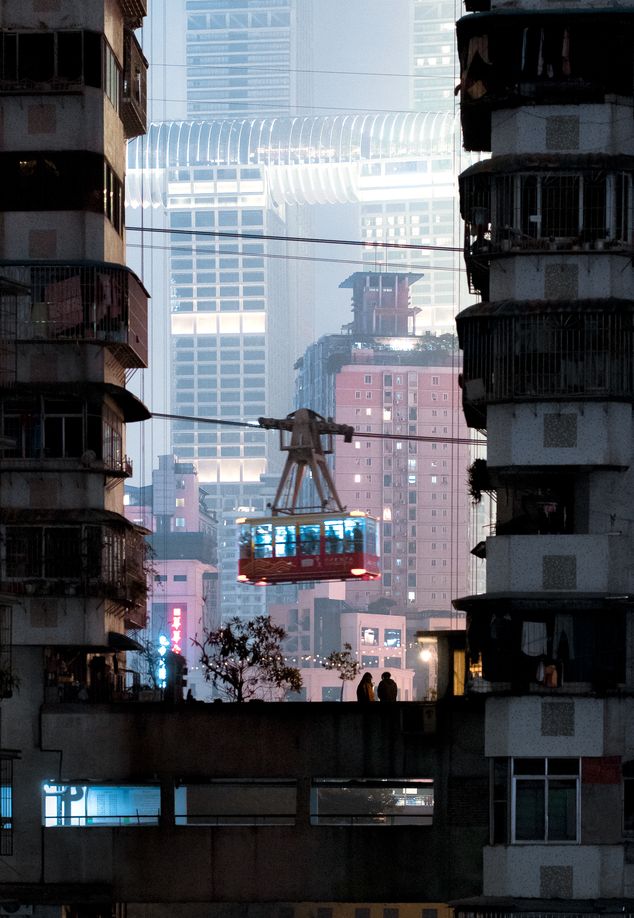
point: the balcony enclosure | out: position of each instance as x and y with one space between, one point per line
513 57
538 204
59 426
134 90
101 303
545 349
521 642
42 556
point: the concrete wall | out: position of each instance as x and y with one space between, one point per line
569 563
554 871
527 726
516 434
160 743
602 128
583 274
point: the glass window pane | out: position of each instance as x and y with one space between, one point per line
263 539
528 766
563 766
245 542
309 539
333 534
529 811
562 809
285 542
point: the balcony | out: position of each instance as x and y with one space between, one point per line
134 12
96 303
515 57
543 204
134 94
548 563
75 553
538 350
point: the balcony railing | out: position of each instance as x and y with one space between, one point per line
101 303
134 95
546 349
102 561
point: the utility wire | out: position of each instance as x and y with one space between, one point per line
384 265
315 240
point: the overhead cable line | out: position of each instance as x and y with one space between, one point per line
313 240
393 266
357 433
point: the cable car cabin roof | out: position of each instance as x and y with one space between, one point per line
300 519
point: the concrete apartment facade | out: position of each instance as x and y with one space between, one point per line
548 373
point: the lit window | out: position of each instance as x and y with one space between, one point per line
376 802
545 800
101 805
179 522
180 501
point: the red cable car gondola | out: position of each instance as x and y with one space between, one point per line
296 544
308 546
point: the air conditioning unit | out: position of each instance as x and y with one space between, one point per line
14 908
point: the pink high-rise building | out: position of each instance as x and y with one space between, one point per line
384 380
183 577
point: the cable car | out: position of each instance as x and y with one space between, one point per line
295 544
308 546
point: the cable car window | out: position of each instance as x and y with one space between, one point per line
371 543
333 534
353 535
309 540
245 543
285 542
263 540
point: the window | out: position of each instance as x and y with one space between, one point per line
370 636
545 800
6 806
68 805
330 693
180 578
179 522
392 637
370 662
372 802
237 802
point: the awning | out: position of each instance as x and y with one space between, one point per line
118 641
64 517
544 307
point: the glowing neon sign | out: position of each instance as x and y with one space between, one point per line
161 670
177 628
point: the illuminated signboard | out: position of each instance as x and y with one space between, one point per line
178 629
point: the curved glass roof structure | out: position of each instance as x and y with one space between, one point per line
339 141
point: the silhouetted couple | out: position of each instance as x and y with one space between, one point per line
387 689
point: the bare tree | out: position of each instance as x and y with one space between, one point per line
345 664
242 657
